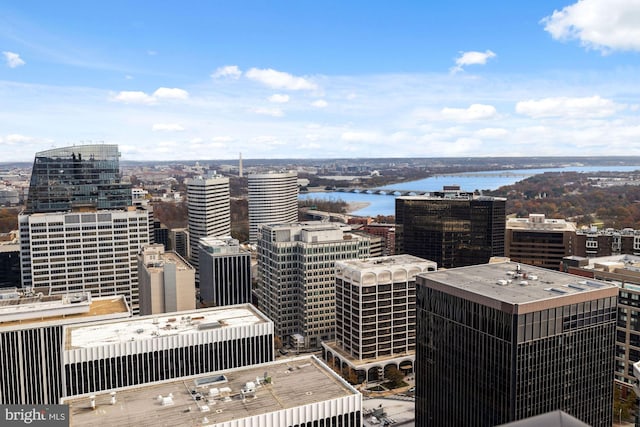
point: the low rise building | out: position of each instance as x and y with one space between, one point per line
300 391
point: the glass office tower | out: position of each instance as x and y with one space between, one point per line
84 175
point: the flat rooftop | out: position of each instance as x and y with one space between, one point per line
293 382
148 327
393 261
515 287
59 309
170 257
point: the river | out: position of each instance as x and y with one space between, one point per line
469 181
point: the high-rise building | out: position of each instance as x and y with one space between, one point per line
507 342
84 175
539 241
167 282
209 211
80 231
179 242
296 277
225 272
452 228
623 271
84 250
375 315
273 198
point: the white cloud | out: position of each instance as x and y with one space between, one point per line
231 71
320 103
471 58
273 112
279 98
279 79
15 138
13 59
167 127
491 133
139 97
604 25
133 97
586 107
474 112
359 136
171 93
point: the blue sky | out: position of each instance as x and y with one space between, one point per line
196 80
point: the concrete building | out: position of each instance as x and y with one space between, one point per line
502 342
624 272
10 265
387 232
296 277
451 227
273 198
375 315
225 272
209 210
70 359
300 391
84 250
594 242
179 242
167 282
32 330
539 241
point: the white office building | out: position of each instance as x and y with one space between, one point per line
300 392
84 250
209 210
273 198
296 277
375 315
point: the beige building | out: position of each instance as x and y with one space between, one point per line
167 281
539 241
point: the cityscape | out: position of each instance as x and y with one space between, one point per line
311 215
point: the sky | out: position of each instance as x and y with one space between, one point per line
207 80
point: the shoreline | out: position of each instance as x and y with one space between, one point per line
356 206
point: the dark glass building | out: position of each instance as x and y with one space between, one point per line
71 176
452 228
507 343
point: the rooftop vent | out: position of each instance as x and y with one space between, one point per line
502 282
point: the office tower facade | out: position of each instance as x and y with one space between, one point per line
84 250
508 342
451 227
376 315
623 271
539 241
209 211
273 199
85 175
179 242
225 272
296 277
32 333
94 350
10 265
387 232
300 391
594 242
167 282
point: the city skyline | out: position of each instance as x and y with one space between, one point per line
295 80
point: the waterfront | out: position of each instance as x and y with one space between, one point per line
490 180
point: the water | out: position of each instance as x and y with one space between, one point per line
469 181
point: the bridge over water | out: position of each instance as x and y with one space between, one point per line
382 191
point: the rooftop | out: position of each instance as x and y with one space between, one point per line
23 309
538 222
517 288
149 327
384 262
215 397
